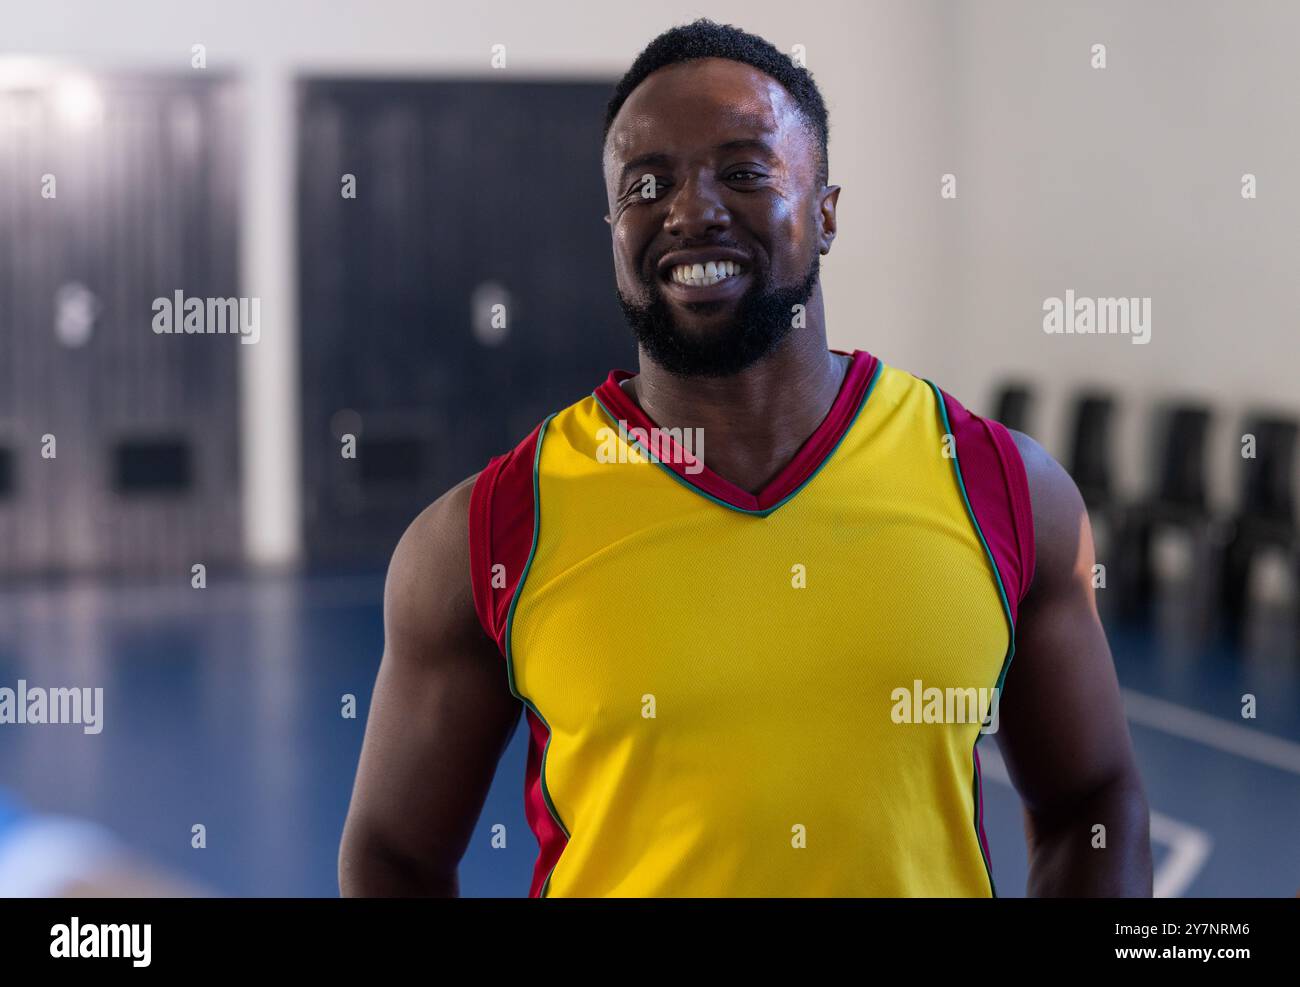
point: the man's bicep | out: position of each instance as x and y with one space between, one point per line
1061 721
431 749
440 718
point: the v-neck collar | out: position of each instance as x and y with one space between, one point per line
816 451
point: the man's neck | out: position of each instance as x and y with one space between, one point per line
754 421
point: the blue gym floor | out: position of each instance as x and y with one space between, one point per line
222 707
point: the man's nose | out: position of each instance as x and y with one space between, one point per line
697 210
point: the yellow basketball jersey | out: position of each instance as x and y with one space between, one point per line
771 694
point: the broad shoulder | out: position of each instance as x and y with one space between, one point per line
428 593
1061 528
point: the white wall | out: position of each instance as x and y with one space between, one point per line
1126 181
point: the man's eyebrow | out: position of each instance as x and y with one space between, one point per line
748 144
642 161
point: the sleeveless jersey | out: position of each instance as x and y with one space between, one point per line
771 694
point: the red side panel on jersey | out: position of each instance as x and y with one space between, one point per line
501 533
550 838
501 518
998 489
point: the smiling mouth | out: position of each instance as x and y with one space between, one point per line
705 275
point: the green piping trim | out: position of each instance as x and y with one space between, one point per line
510 655
875 375
1006 609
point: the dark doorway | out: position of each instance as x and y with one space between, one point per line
468 195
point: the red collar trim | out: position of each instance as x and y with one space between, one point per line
812 455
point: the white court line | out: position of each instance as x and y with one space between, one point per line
1211 731
1189 847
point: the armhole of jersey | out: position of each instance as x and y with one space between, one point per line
998 489
501 534
480 545
502 519
1017 480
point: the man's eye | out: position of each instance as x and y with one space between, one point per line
645 189
744 175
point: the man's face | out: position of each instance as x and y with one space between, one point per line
717 214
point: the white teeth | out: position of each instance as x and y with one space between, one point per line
702 275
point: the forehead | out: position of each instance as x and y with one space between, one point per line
698 104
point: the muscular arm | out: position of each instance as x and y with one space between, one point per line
440 718
1062 730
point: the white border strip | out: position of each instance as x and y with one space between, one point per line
1211 731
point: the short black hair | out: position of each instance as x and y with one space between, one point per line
707 39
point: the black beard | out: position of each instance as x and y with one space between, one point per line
763 320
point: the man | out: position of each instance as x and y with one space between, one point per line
737 659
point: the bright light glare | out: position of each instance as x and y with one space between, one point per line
77 99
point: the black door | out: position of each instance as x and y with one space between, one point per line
468 195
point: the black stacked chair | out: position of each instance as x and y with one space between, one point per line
1090 449
1012 405
1181 493
1178 499
1266 514
1090 456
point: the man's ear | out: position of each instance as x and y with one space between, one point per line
607 217
826 214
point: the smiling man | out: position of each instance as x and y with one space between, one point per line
710 652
